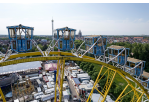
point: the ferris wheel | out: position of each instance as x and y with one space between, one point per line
64 39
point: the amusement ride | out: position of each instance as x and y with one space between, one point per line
114 60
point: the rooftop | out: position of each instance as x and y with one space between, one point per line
51 66
116 47
133 60
146 74
19 67
93 36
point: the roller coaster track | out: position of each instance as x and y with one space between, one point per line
111 71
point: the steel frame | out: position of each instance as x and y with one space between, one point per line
81 52
70 56
2 95
59 78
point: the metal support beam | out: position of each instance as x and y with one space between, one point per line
121 93
108 84
61 80
69 56
2 95
116 56
95 84
56 82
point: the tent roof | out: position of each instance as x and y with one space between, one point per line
19 67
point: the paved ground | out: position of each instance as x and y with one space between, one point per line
72 89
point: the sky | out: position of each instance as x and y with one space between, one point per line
90 18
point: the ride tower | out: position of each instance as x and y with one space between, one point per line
20 42
65 37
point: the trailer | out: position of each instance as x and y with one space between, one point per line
49 91
66 95
43 73
38 95
49 85
48 97
50 79
38 89
40 75
45 87
33 78
39 82
45 79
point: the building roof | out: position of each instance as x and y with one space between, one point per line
93 36
66 28
85 86
116 47
77 82
21 26
133 60
95 98
145 74
138 37
19 67
51 66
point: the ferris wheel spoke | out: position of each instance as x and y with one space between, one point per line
35 44
50 47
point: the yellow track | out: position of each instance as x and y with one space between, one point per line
70 56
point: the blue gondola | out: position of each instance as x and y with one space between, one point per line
114 50
132 62
144 78
66 38
20 37
98 48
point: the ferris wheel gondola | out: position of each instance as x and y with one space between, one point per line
20 37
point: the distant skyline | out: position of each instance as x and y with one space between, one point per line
90 18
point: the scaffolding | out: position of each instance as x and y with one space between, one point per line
23 90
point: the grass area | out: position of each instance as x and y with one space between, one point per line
118 80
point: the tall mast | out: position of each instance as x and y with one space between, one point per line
52 33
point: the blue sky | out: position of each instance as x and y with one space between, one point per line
90 18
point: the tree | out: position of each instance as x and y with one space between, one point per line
102 82
3 50
78 43
78 63
126 98
112 87
45 47
118 90
40 46
86 67
91 67
82 64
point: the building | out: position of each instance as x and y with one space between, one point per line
79 36
138 38
50 66
44 40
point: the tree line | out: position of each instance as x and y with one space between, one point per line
137 50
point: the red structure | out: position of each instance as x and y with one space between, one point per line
51 67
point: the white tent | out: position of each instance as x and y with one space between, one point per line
19 67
